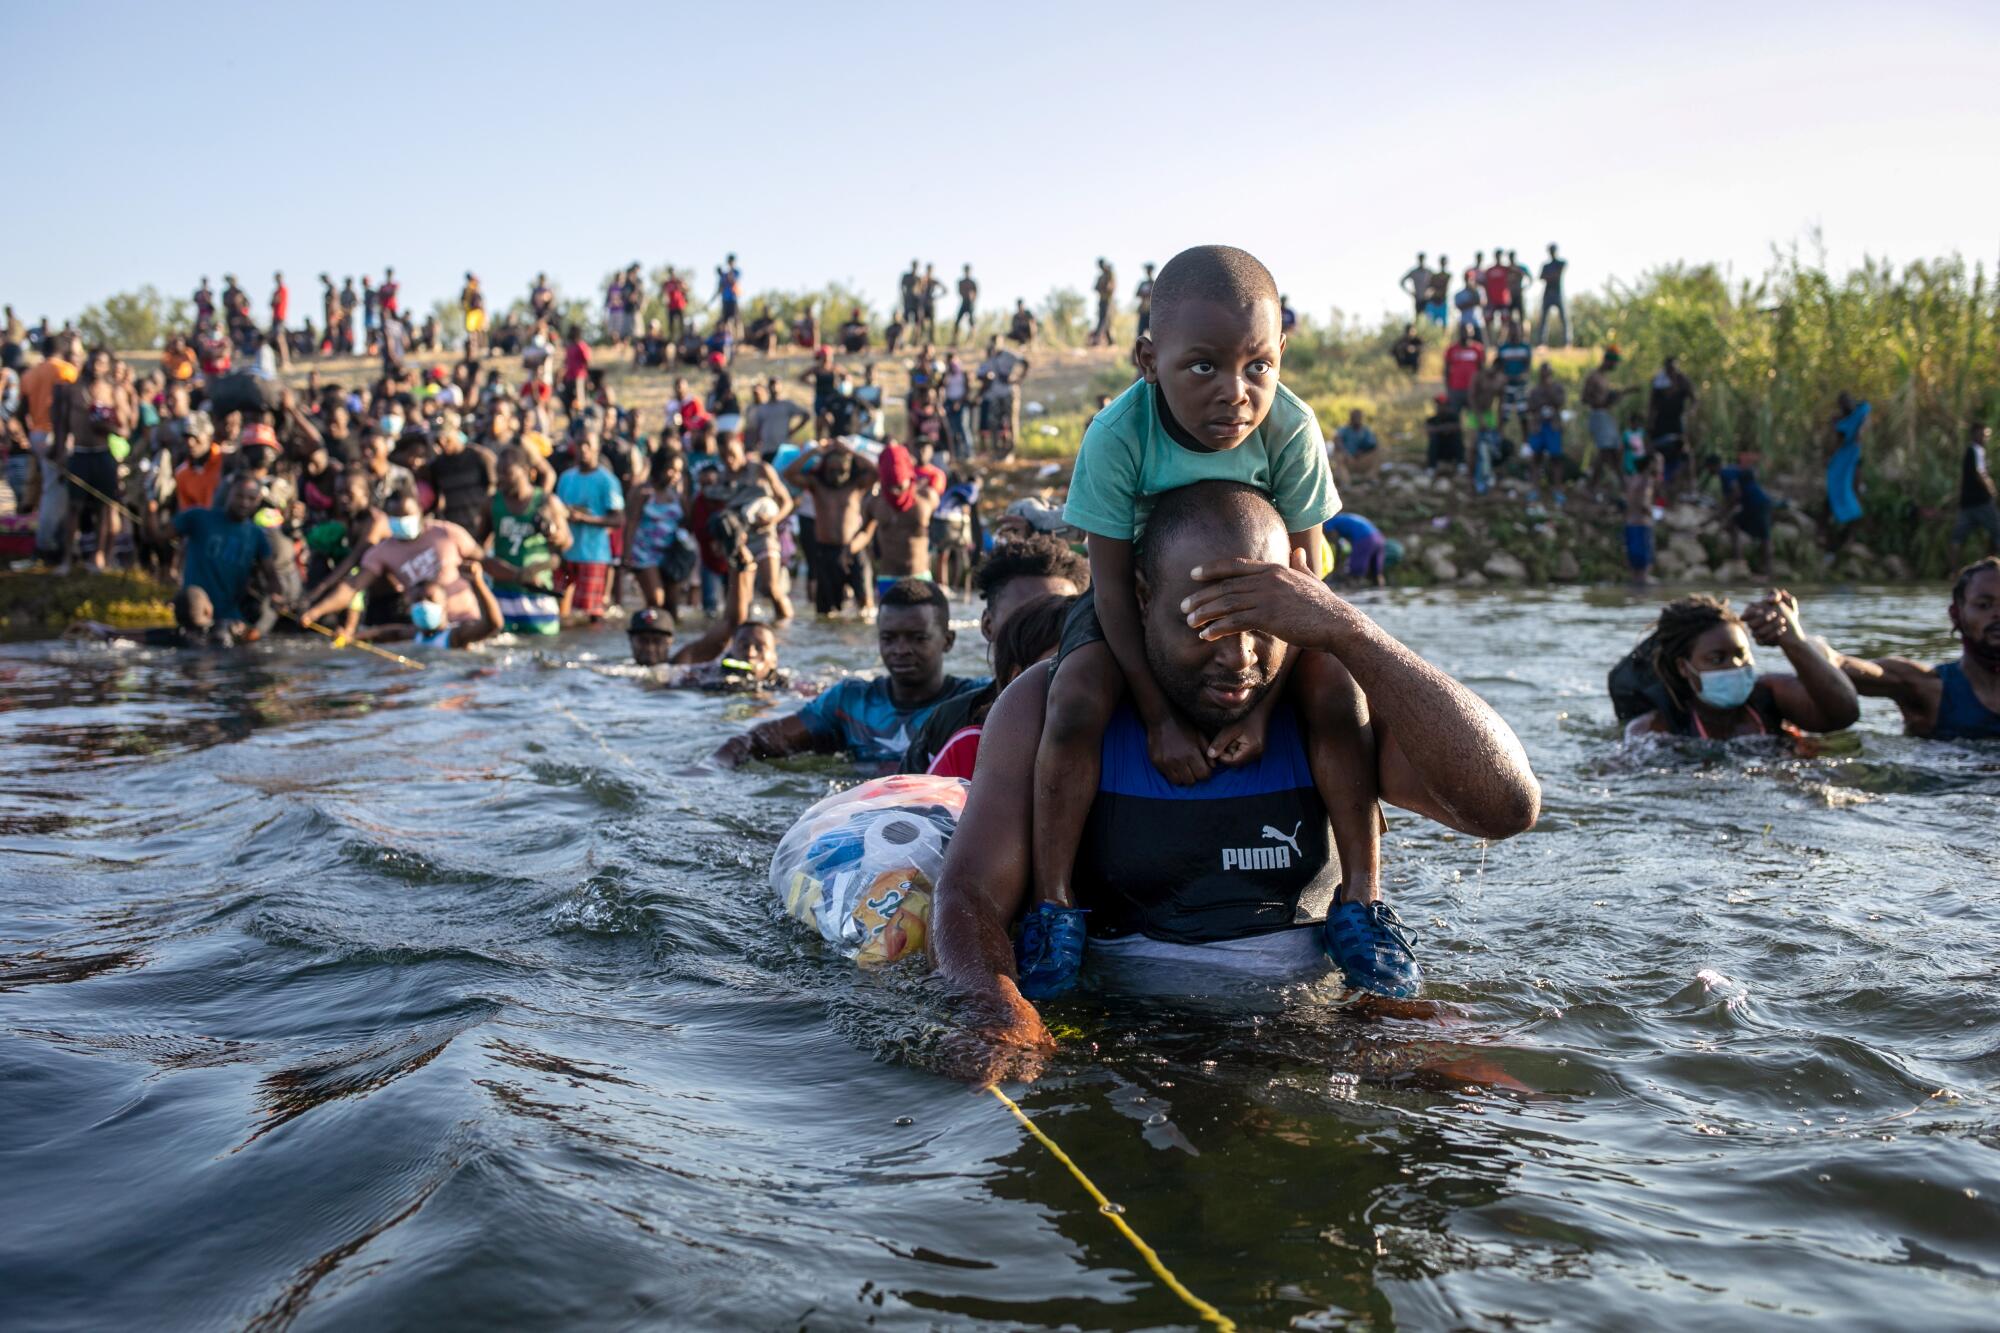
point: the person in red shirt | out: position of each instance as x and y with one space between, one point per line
281 305
386 293
1463 361
675 293
576 369
1498 280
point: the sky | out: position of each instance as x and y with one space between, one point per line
837 142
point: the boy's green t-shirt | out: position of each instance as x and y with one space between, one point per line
1128 459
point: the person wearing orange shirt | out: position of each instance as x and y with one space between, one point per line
177 359
197 477
39 386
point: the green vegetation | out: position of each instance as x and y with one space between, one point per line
36 601
131 320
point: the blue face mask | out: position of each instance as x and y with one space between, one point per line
405 527
427 616
391 426
1728 688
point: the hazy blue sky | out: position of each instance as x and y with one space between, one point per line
839 141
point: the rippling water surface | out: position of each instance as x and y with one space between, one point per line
333 996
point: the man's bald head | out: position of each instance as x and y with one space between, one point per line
1207 521
1212 681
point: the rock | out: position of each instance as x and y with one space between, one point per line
1687 550
1858 551
1686 518
1733 571
1473 580
1442 483
1503 566
1896 567
1437 560
1567 570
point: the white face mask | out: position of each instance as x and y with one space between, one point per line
405 527
1728 688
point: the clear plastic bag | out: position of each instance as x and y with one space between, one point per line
859 866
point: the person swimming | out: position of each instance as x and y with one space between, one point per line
1694 674
1952 701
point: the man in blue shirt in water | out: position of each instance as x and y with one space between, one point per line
1953 701
871 719
1236 872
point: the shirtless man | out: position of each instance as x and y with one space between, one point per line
838 480
899 517
1600 398
1953 700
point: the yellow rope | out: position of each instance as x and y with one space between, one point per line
1116 1215
342 641
339 640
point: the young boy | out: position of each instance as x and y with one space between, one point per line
1209 407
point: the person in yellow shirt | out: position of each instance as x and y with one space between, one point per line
474 303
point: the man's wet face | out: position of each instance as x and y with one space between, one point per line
1217 367
652 649
244 497
1212 682
758 647
1978 617
912 641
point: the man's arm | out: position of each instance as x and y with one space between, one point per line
488 624
1176 748
1442 751
1820 697
1911 686
984 884
358 580
775 739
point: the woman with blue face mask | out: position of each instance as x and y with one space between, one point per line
1697 672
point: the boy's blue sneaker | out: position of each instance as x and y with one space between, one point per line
1049 950
1371 945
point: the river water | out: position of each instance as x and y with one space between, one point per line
333 996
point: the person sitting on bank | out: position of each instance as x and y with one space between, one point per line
1180 879
1694 675
871 719
1952 701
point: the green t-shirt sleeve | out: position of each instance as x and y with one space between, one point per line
1301 480
1104 488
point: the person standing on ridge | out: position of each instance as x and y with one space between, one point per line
1107 289
1552 298
1416 285
968 298
1144 293
281 306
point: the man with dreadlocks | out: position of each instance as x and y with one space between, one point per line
1953 701
1694 674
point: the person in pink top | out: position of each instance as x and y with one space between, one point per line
576 368
416 554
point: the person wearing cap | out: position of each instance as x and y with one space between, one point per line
650 631
1599 400
200 473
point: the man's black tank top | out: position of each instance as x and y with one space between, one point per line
1244 853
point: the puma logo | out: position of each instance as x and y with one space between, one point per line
1292 838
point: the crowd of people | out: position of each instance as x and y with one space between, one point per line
1201 676
1501 410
